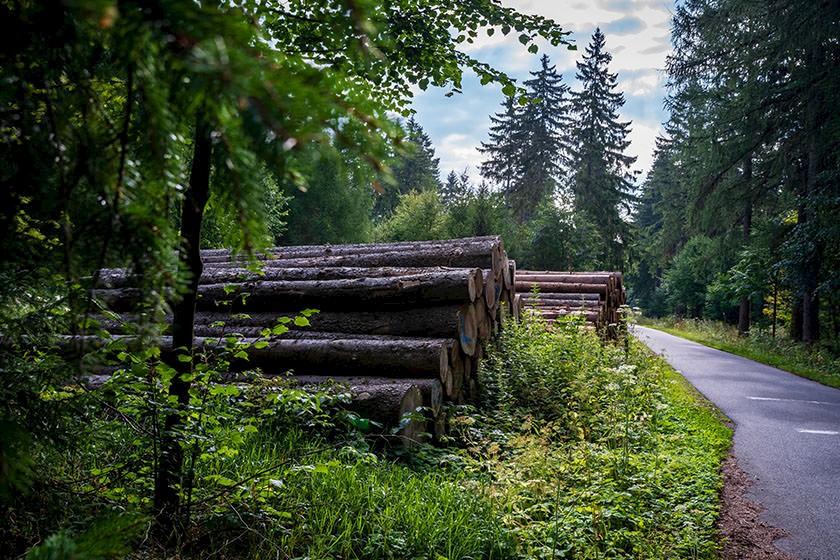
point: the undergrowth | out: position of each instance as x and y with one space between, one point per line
622 464
810 361
575 449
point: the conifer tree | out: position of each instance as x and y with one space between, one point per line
528 151
455 188
544 122
752 78
603 182
416 169
502 165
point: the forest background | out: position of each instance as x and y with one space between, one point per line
135 134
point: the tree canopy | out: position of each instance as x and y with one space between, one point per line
751 152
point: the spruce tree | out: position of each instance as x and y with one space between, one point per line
528 151
544 122
415 169
502 165
602 181
455 188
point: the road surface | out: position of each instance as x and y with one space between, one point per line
787 437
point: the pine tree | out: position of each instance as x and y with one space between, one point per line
602 183
545 122
528 150
502 165
660 222
455 188
416 169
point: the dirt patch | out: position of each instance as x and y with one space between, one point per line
744 536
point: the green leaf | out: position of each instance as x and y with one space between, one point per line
509 89
524 38
260 344
301 321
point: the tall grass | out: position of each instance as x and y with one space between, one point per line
623 464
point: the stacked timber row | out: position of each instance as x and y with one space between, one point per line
403 324
595 296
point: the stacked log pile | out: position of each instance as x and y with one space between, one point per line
595 296
402 323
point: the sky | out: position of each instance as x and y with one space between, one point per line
637 35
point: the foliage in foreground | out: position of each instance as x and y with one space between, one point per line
810 361
606 451
577 450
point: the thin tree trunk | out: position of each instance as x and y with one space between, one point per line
744 308
813 125
167 503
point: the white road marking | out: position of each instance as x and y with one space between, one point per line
820 432
792 400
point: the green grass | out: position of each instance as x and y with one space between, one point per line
577 449
627 467
811 362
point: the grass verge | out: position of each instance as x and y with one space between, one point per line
810 362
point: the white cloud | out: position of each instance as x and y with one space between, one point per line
457 152
642 144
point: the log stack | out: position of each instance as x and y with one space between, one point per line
403 319
595 296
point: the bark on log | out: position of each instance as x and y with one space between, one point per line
528 298
430 389
387 404
405 357
565 302
397 357
525 276
404 291
552 314
447 257
122 278
437 322
473 244
561 287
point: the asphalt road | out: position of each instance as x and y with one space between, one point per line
787 437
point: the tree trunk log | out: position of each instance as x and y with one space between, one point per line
561 287
447 256
527 276
430 389
529 298
345 355
122 277
477 245
402 291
